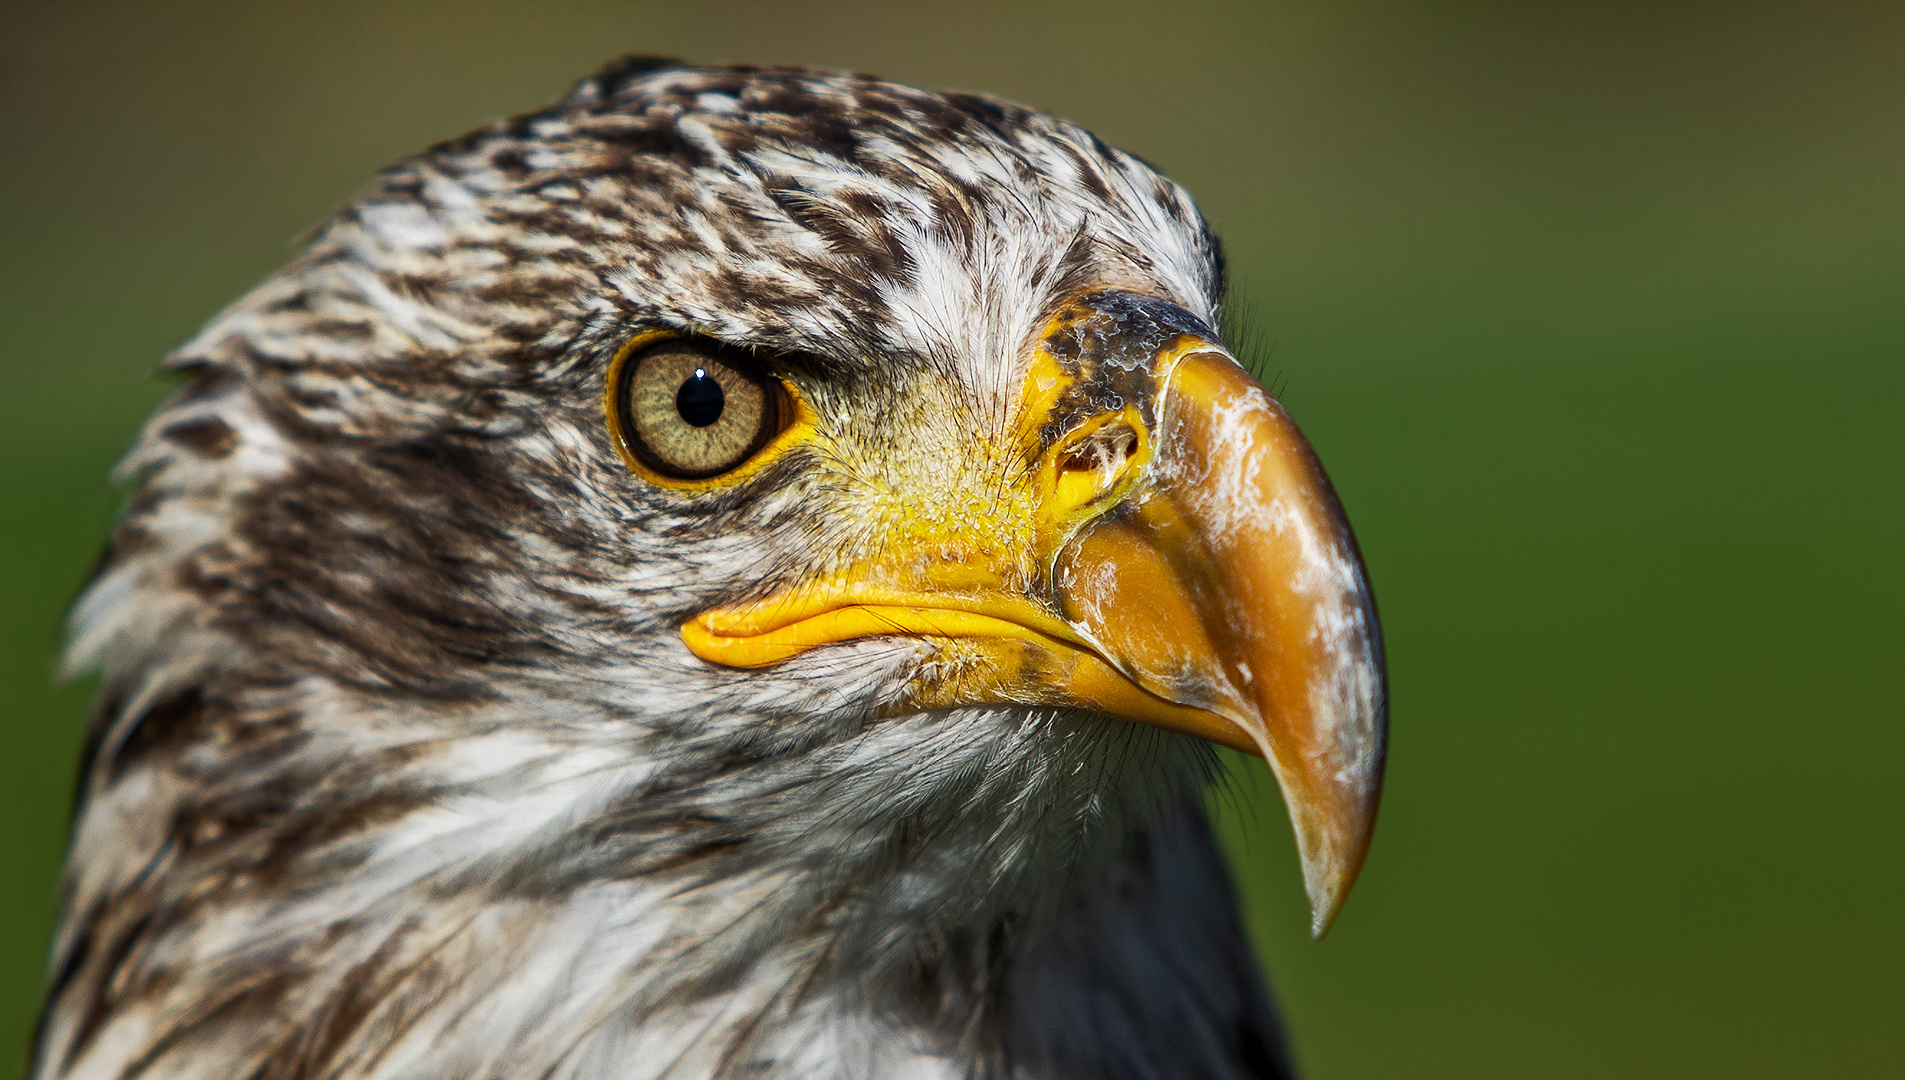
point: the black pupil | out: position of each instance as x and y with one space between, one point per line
700 400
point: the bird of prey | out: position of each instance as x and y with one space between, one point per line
736 574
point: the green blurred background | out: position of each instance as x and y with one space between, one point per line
1596 313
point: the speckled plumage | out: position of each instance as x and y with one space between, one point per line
400 767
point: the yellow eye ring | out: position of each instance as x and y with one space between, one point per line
687 460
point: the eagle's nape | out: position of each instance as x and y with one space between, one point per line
453 723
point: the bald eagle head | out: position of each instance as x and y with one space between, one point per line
738 573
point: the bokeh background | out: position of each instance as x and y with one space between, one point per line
1595 311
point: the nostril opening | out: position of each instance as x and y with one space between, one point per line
1104 451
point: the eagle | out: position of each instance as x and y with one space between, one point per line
739 573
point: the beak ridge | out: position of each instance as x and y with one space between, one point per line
1232 583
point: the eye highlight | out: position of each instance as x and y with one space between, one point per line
691 408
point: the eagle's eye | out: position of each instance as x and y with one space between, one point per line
691 408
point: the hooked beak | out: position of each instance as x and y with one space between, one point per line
1190 568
